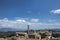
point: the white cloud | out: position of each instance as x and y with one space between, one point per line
51 20
12 23
57 11
19 20
22 23
34 20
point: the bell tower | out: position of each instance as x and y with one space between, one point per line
28 29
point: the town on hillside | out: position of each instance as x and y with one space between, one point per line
30 35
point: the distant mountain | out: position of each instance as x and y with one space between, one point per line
19 29
10 29
55 29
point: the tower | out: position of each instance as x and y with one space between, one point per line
28 29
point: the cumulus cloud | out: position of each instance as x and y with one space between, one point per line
12 23
34 20
19 20
22 23
51 20
57 11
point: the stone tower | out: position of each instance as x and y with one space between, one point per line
28 29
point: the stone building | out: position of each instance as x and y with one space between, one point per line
25 36
21 36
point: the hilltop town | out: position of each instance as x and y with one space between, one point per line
31 35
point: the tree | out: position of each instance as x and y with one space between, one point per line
12 39
43 35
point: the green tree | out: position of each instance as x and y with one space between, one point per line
12 39
43 35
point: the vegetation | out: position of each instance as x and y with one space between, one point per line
56 34
12 39
6 34
43 35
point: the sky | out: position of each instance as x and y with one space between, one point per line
39 14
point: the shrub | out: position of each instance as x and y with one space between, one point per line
56 35
43 35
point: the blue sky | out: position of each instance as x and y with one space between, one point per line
38 11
